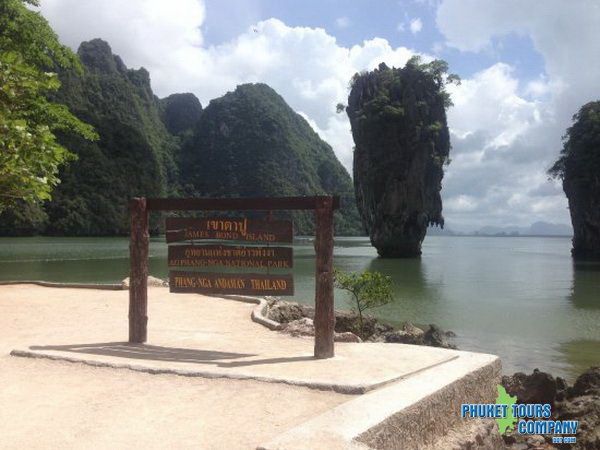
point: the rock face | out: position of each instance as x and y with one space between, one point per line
578 166
539 387
180 112
402 141
250 143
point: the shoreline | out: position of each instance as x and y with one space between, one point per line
261 317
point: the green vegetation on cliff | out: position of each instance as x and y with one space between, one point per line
579 168
134 155
180 113
246 143
250 143
398 119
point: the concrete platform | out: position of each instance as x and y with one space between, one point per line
419 412
356 369
411 395
418 408
195 335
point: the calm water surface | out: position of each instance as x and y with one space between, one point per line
518 297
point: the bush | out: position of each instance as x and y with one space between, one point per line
368 289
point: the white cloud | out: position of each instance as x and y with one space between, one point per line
514 128
145 32
460 203
502 145
305 65
343 22
416 25
566 35
505 133
490 101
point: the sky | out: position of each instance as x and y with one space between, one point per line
526 68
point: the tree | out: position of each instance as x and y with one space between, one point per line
368 289
581 145
438 70
30 55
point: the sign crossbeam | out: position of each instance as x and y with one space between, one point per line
238 204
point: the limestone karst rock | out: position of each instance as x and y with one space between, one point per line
579 169
133 156
402 142
247 143
180 112
251 143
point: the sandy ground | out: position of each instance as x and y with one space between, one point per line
50 404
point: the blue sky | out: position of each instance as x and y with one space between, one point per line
526 68
353 22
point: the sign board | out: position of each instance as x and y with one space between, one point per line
180 229
230 256
231 283
248 230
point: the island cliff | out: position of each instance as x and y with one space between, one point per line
247 143
250 143
398 121
579 168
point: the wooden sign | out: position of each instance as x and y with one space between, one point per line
229 256
228 229
249 230
231 283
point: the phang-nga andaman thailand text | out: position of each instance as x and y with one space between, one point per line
230 256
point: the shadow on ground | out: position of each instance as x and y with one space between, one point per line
158 353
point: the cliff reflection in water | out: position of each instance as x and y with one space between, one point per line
584 291
579 354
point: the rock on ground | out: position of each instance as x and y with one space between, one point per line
298 322
539 387
306 327
301 327
587 383
152 282
284 312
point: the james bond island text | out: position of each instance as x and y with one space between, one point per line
248 230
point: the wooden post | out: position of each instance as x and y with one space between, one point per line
138 273
324 312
